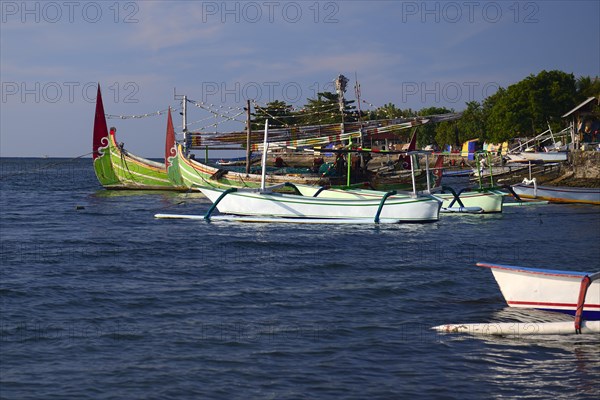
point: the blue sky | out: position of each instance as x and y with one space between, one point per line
411 53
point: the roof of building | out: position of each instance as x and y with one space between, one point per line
579 106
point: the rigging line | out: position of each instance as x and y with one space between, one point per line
152 114
46 166
227 118
272 116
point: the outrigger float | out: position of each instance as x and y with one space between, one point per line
572 293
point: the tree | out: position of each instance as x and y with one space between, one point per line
325 109
279 114
469 126
587 87
427 133
526 108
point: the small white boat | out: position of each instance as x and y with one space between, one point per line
529 189
546 289
573 293
484 201
391 208
549 156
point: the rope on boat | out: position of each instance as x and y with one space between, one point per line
45 166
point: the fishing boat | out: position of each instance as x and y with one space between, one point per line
546 289
528 151
476 201
266 205
556 194
526 156
116 168
195 174
391 208
567 292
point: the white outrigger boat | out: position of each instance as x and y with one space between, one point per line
269 206
573 293
484 201
265 205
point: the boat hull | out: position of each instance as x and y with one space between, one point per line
551 156
548 290
558 194
116 169
398 208
488 201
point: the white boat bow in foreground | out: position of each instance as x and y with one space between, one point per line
573 293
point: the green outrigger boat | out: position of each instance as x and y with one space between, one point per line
116 168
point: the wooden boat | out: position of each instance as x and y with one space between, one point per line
526 156
116 168
546 289
391 208
573 293
194 174
558 194
555 152
477 201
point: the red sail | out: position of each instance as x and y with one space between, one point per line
100 128
170 149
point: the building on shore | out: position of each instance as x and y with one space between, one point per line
585 123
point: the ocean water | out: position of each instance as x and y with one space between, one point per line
100 300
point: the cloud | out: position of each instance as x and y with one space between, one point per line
168 24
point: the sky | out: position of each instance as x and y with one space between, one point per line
414 54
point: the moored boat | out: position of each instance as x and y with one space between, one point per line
479 201
546 289
116 168
391 208
194 174
567 292
557 194
526 156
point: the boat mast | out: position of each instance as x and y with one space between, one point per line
264 157
248 132
184 120
340 87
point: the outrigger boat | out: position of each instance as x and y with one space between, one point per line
264 205
465 202
116 168
557 194
572 293
391 208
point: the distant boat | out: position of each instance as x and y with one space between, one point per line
526 156
116 168
529 189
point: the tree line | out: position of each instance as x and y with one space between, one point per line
523 109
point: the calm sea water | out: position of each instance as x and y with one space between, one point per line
100 300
